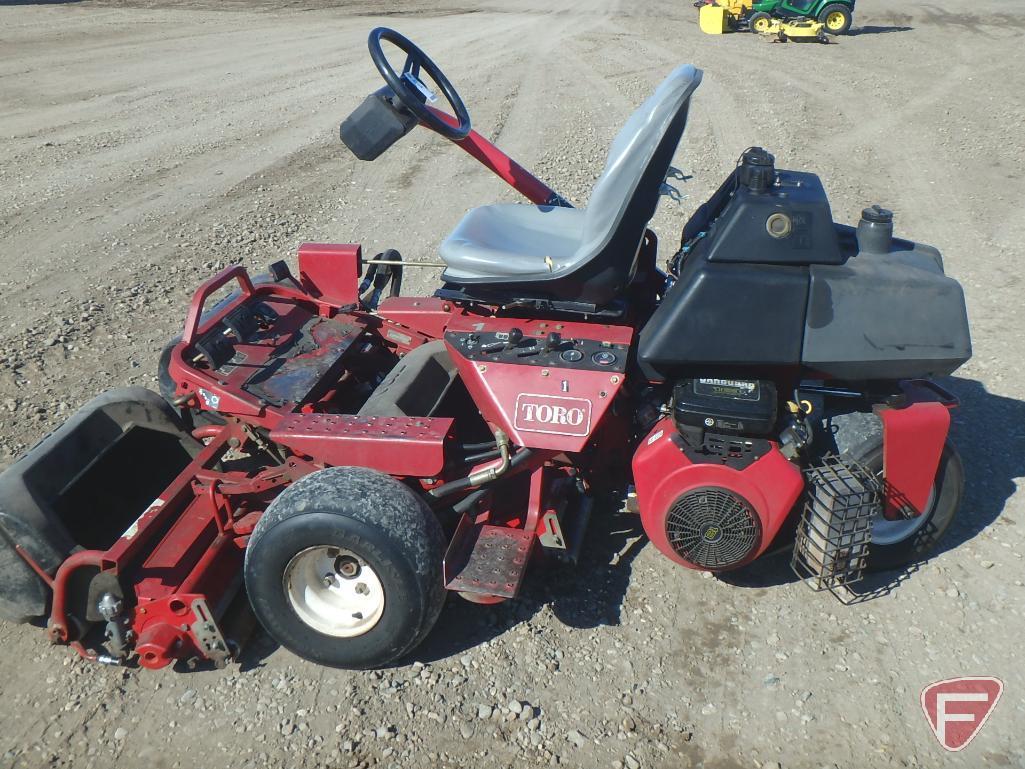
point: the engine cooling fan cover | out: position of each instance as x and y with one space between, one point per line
713 528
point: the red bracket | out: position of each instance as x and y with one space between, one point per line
913 440
408 446
330 272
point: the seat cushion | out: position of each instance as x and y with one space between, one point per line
513 240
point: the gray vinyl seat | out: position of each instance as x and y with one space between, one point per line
584 255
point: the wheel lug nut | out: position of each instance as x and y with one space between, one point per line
362 589
346 566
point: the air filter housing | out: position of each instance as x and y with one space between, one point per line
713 528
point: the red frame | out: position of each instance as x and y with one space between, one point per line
182 554
400 446
330 272
497 388
199 387
500 164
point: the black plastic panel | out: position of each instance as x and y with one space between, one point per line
886 316
374 126
728 316
734 407
763 251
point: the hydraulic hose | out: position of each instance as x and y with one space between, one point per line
465 504
390 270
483 456
488 474
478 446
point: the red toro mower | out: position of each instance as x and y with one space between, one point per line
348 455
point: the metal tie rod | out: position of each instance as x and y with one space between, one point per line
405 264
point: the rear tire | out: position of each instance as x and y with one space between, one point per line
378 534
861 436
168 389
837 19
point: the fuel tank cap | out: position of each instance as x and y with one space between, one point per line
876 213
757 169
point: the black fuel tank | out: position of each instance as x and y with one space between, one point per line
766 280
726 316
889 314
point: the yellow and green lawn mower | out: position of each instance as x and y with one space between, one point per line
786 19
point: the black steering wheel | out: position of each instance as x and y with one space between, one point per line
411 91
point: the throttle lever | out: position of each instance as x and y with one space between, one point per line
514 339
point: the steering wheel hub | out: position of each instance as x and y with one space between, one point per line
410 89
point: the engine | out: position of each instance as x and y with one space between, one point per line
713 489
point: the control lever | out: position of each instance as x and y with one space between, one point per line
553 342
515 337
506 341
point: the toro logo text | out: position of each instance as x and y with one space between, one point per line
552 414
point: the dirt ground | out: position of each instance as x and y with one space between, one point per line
145 144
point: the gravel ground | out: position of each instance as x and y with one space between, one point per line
146 144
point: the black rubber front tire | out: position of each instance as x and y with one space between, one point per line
165 382
372 516
832 10
756 19
861 436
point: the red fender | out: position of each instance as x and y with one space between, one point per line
913 440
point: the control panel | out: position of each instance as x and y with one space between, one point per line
551 350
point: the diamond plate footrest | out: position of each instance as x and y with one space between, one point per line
487 560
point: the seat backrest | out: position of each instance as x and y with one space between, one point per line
626 195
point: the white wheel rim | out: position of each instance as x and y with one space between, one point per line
887 532
334 591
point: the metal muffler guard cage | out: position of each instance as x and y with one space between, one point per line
835 530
